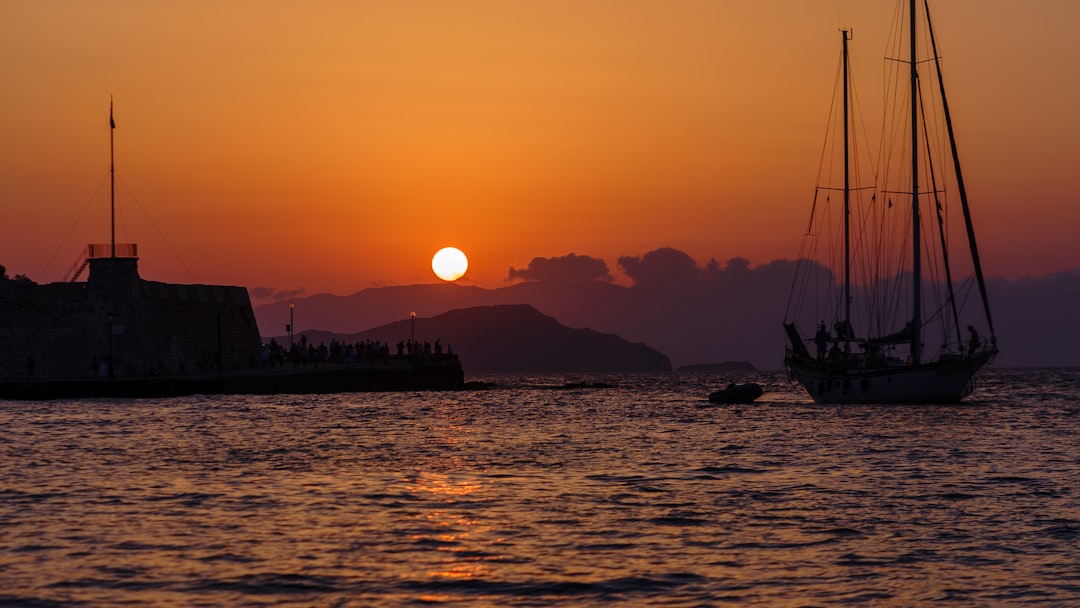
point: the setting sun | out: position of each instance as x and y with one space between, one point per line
449 263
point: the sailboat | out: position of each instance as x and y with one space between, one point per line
876 294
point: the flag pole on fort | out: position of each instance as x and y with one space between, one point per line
112 185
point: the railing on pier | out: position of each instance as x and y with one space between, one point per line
104 250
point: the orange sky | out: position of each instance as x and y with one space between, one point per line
334 145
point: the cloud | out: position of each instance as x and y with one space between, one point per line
566 268
733 269
661 267
273 294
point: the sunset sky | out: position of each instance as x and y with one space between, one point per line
335 145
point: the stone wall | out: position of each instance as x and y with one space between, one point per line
72 330
47 330
187 327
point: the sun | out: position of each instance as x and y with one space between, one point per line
449 263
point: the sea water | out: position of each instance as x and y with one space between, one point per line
527 494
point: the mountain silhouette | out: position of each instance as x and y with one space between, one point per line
512 338
727 315
729 312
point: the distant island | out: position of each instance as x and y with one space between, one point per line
726 366
691 313
511 338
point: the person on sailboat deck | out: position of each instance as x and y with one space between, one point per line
843 331
821 340
973 343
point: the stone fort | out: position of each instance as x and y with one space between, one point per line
118 325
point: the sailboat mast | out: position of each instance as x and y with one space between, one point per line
916 261
847 200
112 185
959 177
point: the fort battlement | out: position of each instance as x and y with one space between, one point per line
118 324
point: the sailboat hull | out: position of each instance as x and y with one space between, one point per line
943 381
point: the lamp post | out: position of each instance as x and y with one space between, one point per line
110 345
412 329
292 307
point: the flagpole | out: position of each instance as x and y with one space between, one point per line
112 184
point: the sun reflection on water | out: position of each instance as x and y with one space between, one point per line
461 543
529 496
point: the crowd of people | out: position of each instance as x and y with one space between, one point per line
304 353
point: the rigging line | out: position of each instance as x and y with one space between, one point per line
860 149
857 103
159 231
822 280
960 182
71 229
894 282
801 282
805 274
829 138
864 245
882 267
890 91
119 213
800 278
803 279
951 298
968 290
813 211
926 191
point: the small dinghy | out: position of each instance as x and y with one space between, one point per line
737 393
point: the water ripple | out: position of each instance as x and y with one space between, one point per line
526 496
